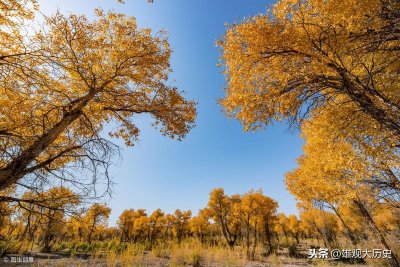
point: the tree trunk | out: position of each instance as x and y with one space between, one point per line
350 233
394 262
248 242
268 236
321 234
18 167
363 96
253 252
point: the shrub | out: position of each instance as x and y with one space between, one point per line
195 259
293 251
83 247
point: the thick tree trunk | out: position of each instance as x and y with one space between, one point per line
18 167
268 236
229 237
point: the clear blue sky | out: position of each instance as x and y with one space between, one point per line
167 174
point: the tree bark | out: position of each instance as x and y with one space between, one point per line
17 168
268 236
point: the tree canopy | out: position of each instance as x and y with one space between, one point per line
309 54
63 84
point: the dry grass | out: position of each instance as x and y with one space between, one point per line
194 253
112 258
274 260
190 253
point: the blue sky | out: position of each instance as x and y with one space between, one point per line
167 174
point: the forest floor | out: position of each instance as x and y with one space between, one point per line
188 258
59 260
